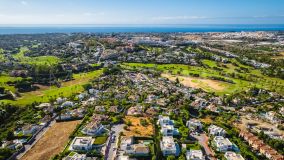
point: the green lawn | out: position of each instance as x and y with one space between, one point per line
6 78
253 77
100 140
66 90
210 63
194 146
41 60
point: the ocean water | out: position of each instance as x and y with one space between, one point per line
28 29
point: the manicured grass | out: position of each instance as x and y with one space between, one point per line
194 146
66 90
210 63
41 60
100 140
6 78
255 77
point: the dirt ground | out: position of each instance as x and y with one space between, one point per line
196 82
259 123
207 119
52 142
279 57
136 129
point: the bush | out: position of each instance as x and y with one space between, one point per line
100 140
5 153
144 122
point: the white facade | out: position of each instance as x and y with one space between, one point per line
165 120
29 129
168 146
82 143
194 155
93 128
75 156
167 126
233 156
194 124
222 144
216 131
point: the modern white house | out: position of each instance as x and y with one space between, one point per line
15 144
30 129
137 150
271 116
136 110
165 120
167 126
126 141
100 109
223 144
127 145
82 143
67 104
194 124
169 130
168 146
75 156
93 128
216 131
233 156
195 155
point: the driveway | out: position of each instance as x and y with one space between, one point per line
37 138
203 141
110 153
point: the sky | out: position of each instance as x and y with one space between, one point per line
141 12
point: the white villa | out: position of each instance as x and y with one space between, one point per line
271 116
128 146
93 128
222 144
168 130
194 124
216 131
168 146
82 143
165 120
167 126
195 155
136 110
75 156
29 129
137 149
233 156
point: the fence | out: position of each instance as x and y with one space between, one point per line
31 140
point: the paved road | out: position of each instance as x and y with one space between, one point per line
203 141
102 52
110 153
37 138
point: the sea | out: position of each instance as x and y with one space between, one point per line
40 29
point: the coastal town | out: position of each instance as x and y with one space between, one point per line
127 96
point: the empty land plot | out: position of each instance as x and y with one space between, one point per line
195 82
136 129
52 142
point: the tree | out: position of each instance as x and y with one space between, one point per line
181 157
177 81
171 157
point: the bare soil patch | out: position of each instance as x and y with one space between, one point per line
136 129
196 82
52 142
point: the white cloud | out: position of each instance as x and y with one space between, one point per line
93 14
24 3
178 17
60 15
